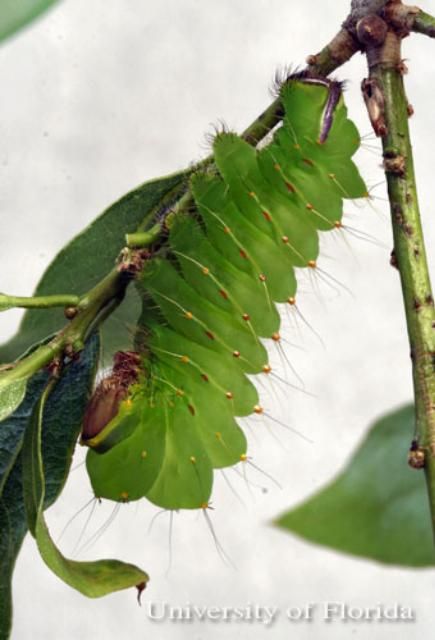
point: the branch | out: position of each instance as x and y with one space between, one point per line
388 109
96 305
424 23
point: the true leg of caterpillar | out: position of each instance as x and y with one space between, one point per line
92 501
219 548
99 532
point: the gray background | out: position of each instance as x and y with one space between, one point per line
102 94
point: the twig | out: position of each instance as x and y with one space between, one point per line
389 112
39 302
424 23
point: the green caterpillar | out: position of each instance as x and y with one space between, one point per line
209 298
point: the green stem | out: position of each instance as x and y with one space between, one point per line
424 23
144 239
95 306
411 260
38 302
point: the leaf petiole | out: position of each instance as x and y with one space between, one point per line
37 302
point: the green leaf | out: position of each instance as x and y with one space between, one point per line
12 531
11 396
86 260
377 507
62 421
12 516
15 14
93 579
12 428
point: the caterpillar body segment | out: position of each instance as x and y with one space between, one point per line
209 301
